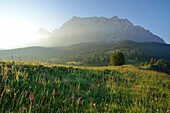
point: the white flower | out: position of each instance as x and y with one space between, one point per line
8 90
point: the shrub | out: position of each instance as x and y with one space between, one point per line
117 58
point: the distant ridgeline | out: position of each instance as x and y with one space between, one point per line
132 50
92 29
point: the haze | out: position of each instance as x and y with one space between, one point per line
20 20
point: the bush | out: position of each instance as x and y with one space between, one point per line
160 66
117 58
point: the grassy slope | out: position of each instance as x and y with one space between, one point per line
102 89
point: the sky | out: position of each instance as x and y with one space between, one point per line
21 19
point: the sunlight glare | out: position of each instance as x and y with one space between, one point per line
15 33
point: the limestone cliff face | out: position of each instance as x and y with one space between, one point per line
91 29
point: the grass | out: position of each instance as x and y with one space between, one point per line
74 63
102 89
133 62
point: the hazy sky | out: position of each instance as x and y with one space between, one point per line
25 17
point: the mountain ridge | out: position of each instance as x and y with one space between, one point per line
91 29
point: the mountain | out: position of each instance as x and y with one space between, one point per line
92 29
42 37
43 33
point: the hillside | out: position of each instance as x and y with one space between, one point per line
130 48
45 52
92 29
158 50
30 53
30 87
85 46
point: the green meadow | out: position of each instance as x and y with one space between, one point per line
35 87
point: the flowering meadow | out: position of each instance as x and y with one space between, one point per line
28 87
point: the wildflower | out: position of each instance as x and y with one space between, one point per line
65 110
31 96
94 104
53 92
167 109
79 85
24 79
73 95
79 100
8 90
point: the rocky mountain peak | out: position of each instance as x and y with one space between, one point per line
91 29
